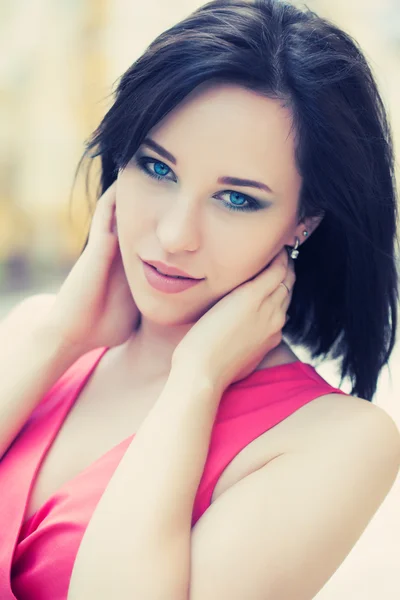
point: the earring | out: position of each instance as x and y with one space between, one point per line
294 252
305 233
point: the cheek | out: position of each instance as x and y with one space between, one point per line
239 257
133 210
254 250
237 262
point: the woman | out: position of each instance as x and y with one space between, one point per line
247 139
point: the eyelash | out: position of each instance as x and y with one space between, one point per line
143 161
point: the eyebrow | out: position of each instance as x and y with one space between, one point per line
226 179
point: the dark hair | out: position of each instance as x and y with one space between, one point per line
345 298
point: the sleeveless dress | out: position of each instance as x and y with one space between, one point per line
37 557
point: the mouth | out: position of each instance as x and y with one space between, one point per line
169 270
170 276
168 284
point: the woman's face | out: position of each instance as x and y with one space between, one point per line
185 217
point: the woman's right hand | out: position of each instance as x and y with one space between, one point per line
94 306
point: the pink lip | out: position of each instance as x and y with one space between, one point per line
168 270
165 283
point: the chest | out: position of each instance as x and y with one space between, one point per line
101 418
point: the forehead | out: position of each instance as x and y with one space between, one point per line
230 130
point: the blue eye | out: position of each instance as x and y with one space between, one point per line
238 198
161 170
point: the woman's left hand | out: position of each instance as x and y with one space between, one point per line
228 342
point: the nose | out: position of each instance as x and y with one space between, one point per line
178 229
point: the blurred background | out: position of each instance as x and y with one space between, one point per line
59 63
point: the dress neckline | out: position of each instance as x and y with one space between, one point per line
255 377
260 374
273 372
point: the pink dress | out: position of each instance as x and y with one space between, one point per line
36 558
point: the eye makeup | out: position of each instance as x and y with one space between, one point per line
157 170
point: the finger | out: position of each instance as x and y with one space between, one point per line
282 258
104 212
290 278
286 287
282 296
287 277
267 280
109 195
280 300
283 293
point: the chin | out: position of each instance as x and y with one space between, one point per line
167 313
167 320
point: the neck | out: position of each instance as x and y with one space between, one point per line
152 345
149 351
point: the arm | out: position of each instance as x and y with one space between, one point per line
283 531
137 543
279 533
32 359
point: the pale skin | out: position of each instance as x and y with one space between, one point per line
223 131
220 130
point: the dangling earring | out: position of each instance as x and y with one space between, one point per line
294 252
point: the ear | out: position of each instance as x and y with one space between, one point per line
308 224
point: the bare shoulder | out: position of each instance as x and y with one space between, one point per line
334 417
331 423
25 314
328 487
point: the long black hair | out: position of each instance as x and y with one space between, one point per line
345 299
